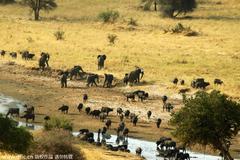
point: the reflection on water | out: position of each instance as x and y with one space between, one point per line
149 148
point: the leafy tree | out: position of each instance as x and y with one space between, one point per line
6 1
208 119
172 8
13 138
147 4
38 5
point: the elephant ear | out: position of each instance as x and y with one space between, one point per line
98 56
104 57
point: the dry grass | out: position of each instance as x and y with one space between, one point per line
213 54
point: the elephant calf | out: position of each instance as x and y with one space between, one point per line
218 81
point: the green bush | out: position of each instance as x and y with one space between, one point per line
59 35
132 22
56 142
12 138
112 38
109 16
6 1
58 123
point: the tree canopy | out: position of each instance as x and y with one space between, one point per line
208 119
38 5
172 8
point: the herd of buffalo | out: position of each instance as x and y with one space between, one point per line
165 146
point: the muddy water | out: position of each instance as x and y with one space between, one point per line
149 148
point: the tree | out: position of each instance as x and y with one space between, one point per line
172 8
38 5
13 138
208 119
147 4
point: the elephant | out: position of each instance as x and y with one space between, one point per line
149 113
26 55
121 116
218 81
139 151
130 96
87 110
135 120
164 99
95 113
80 107
64 109
43 61
106 110
91 79
102 116
28 116
142 95
13 111
182 82
29 110
2 52
175 81
108 80
168 107
46 118
85 98
125 132
76 71
135 76
13 54
127 113
83 131
101 59
199 83
158 123
63 79
132 115
108 123
119 111
125 79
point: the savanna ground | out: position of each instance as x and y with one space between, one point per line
215 53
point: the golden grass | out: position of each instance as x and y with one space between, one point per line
213 54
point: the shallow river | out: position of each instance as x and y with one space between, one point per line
149 148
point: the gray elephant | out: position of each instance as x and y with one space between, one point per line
92 79
108 80
101 59
76 71
135 76
2 52
43 61
63 79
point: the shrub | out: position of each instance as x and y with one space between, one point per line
179 28
6 1
109 16
132 22
56 142
12 138
172 8
59 35
58 123
112 38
